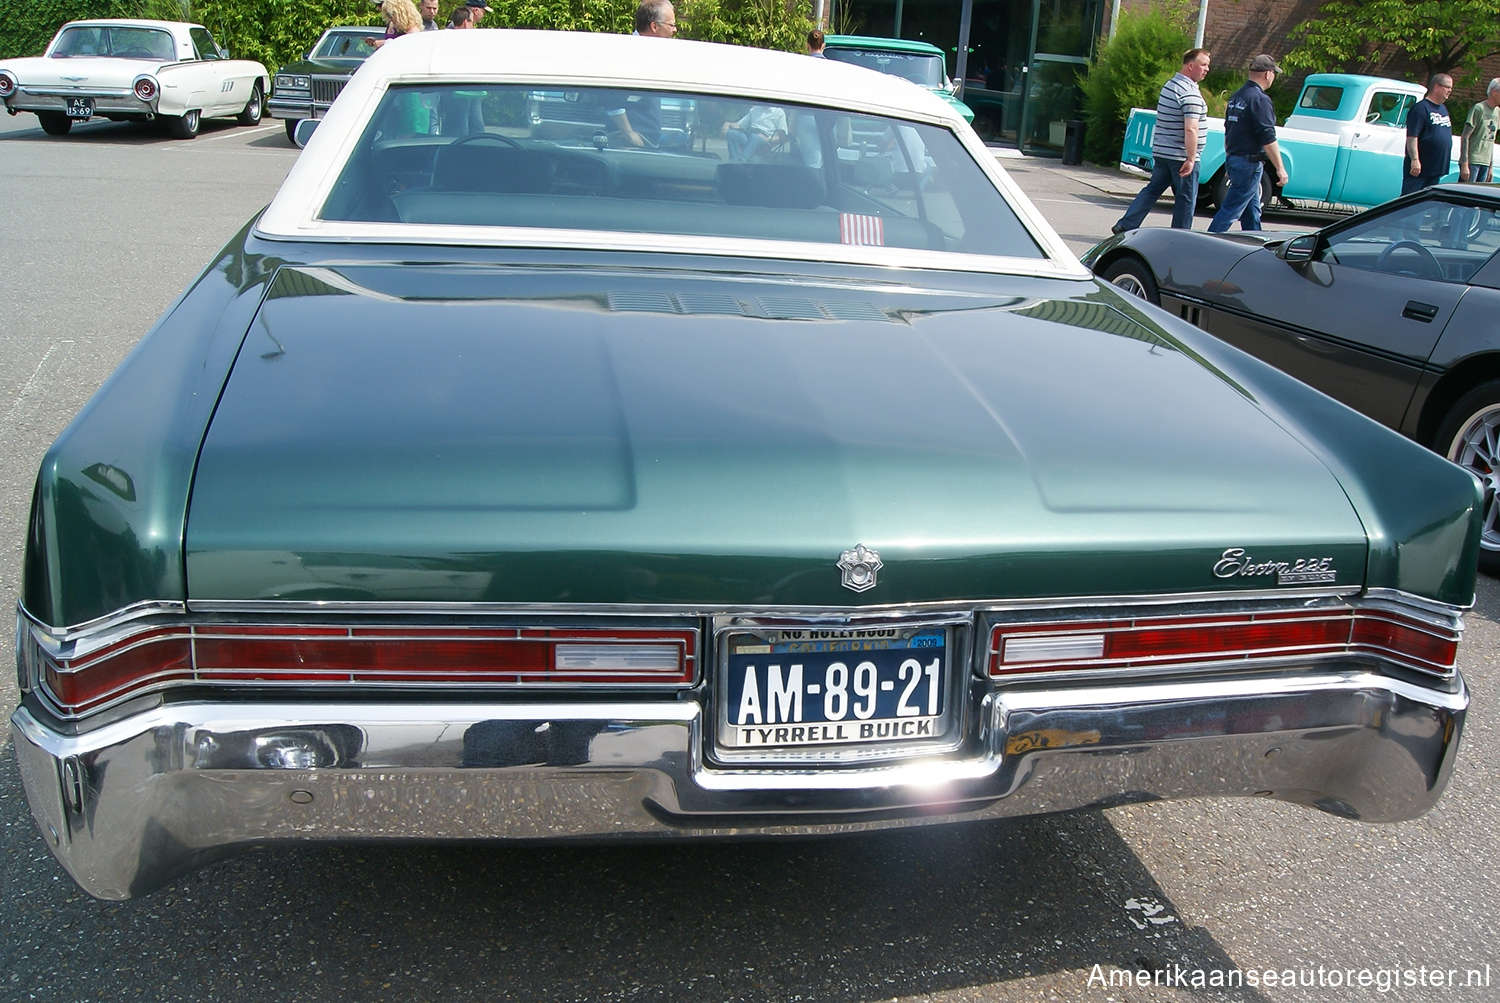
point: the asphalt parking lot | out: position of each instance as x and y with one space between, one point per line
101 231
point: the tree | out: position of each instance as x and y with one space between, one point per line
1127 73
1362 36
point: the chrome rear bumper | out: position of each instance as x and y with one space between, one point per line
130 805
105 103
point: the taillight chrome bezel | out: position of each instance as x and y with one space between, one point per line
1115 641
92 671
145 88
7 84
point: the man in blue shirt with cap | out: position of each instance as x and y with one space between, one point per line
1249 145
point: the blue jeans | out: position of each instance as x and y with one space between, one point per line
1242 197
1479 173
1163 176
1416 184
746 146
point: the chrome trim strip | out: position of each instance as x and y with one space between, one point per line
126 614
78 92
1406 599
678 244
283 607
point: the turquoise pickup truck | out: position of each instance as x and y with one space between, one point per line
1342 145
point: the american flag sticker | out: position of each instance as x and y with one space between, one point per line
863 230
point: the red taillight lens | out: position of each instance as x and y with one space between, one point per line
7 85
145 88
1050 647
145 659
370 655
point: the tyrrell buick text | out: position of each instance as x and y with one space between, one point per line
848 731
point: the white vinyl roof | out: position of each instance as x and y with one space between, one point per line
584 58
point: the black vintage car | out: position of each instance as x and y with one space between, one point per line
306 88
1392 311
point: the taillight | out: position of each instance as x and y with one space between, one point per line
145 88
7 85
1017 648
361 655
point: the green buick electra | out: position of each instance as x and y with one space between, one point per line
501 481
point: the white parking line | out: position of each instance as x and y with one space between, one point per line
26 388
231 133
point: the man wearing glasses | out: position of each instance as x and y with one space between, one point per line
638 120
656 18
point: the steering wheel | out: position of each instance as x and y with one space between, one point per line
487 137
1430 267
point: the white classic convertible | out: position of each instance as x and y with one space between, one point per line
130 70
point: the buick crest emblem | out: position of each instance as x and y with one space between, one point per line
859 567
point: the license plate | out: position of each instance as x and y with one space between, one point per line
813 687
81 108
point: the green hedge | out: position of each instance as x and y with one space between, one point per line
1128 73
279 31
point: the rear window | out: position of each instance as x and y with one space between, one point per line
116 41
505 155
1321 98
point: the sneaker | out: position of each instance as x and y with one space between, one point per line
1117 228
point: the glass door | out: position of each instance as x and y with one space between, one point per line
1063 33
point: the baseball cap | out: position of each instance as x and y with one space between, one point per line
1262 63
479 4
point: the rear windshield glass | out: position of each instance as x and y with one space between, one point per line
1322 98
679 163
918 67
118 41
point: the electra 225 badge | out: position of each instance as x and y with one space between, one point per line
1235 563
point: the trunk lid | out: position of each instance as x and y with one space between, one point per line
464 434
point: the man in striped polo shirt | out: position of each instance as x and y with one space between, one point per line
1181 129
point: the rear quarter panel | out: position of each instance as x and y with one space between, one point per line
1422 514
111 498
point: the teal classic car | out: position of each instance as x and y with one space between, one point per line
920 62
516 486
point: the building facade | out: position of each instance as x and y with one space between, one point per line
1018 59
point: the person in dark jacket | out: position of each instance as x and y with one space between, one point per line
1429 137
1249 147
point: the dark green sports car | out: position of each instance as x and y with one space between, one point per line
496 483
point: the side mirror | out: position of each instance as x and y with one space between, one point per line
223 52
1299 249
304 130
